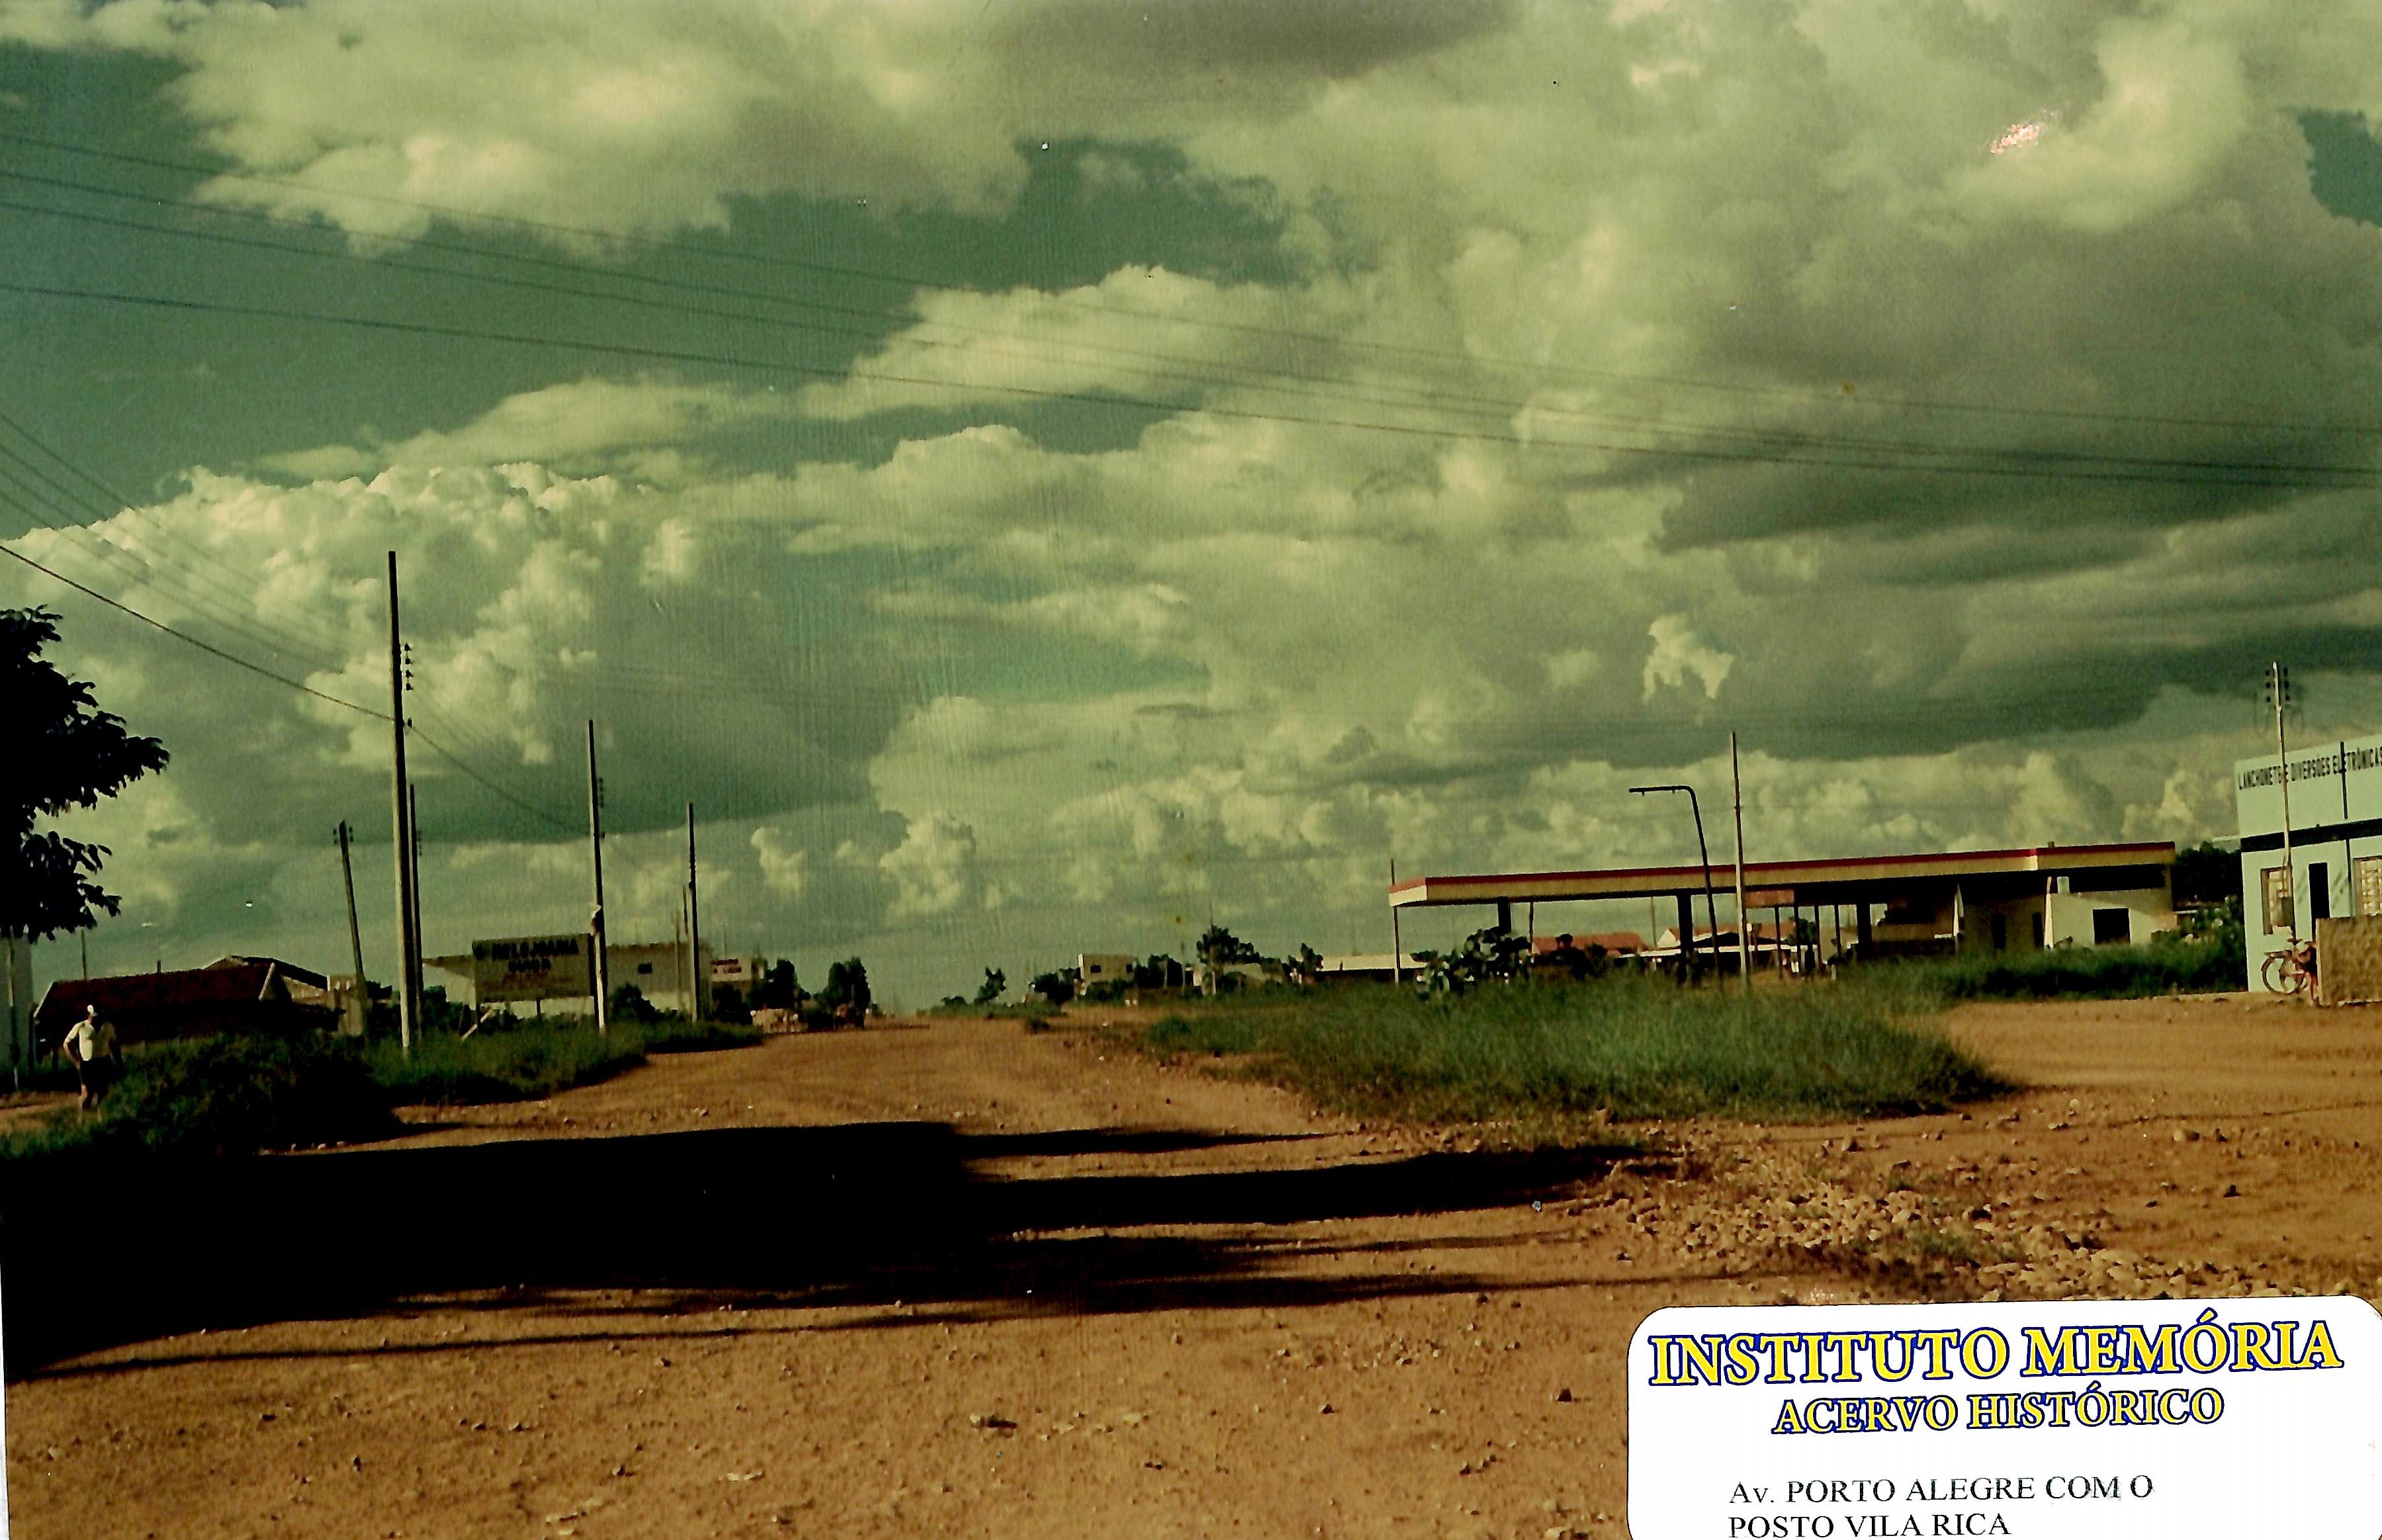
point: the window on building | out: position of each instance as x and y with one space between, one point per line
2319 891
2112 927
2368 871
2001 933
2275 883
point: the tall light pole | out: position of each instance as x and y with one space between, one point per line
1736 802
2278 687
599 976
1711 914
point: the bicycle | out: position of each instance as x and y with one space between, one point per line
2291 970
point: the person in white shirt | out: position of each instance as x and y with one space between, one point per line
90 1047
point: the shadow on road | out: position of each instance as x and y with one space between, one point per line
850 1215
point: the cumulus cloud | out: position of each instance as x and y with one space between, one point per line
1677 653
930 867
1638 371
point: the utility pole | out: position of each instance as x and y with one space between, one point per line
413 853
408 986
358 994
2278 686
1736 802
600 972
1397 948
700 998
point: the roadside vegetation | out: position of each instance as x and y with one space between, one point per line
2205 958
1633 1046
224 1095
526 1060
296 1090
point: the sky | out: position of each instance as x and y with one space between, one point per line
1043 476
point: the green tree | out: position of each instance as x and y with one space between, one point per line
64 752
778 987
995 985
1219 946
1055 986
847 984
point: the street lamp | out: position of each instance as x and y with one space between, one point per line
1711 915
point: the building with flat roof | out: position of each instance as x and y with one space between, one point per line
2334 868
1956 901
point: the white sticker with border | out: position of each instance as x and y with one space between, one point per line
2165 1418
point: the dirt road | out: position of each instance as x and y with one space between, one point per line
961 1280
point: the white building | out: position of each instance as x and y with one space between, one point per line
2335 864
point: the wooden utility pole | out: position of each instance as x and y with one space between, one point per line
359 1002
1736 802
601 969
408 986
699 1001
1397 948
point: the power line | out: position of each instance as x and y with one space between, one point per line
601 238
1205 373
154 578
209 648
2258 475
206 647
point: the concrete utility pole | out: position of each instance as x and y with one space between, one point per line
413 853
2278 685
1736 802
601 969
358 996
1397 948
409 985
699 1001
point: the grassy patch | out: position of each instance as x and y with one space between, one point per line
1635 1048
2167 965
226 1095
533 1060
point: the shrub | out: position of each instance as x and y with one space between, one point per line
232 1096
1633 1046
2164 965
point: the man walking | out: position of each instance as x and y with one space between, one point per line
90 1047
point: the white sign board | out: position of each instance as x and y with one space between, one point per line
2105 1419
531 968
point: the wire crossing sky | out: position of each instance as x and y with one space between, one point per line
1039 476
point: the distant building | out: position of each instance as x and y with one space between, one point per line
740 974
1921 903
1612 943
229 995
1093 968
657 968
1351 967
2336 862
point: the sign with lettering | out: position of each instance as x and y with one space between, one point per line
2048 1422
532 968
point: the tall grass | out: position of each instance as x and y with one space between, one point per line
2166 965
226 1095
529 1061
1633 1046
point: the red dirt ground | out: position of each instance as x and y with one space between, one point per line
1246 1318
